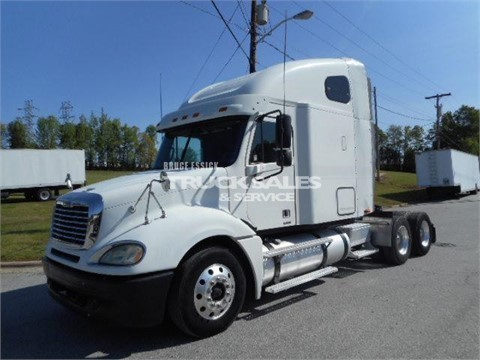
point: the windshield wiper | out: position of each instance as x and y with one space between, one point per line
184 152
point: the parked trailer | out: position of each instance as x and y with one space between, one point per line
39 173
251 193
448 170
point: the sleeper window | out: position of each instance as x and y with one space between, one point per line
337 88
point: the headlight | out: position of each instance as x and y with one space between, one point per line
125 254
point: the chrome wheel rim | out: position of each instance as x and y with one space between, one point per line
402 240
44 195
214 292
424 233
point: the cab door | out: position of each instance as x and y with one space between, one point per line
270 200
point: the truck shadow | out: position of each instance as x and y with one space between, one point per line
419 196
274 302
34 326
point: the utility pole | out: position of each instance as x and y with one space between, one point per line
377 154
438 106
253 38
65 111
28 118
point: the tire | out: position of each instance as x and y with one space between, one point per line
401 241
422 233
207 293
5 195
44 194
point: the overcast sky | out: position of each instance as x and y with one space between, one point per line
111 54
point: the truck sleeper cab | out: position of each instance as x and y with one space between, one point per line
249 194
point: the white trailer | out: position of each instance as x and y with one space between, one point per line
448 170
39 173
251 192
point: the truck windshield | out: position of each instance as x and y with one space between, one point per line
207 144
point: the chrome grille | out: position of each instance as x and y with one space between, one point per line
77 218
70 224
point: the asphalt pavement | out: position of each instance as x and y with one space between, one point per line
426 308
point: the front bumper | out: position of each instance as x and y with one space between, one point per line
127 300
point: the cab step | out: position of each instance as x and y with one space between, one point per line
359 254
296 247
288 284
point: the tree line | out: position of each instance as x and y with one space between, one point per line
458 130
108 143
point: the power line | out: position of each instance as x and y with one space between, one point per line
230 30
348 55
210 54
199 8
243 11
379 44
316 17
404 115
230 59
212 14
279 50
401 104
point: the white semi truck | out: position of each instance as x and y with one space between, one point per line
262 183
38 174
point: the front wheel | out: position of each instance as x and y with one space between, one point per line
208 292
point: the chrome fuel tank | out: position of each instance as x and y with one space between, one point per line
303 261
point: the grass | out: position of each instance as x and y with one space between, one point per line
25 225
397 188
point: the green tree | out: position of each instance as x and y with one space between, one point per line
84 140
92 153
17 134
146 151
130 140
413 142
151 131
114 142
101 139
458 130
47 132
67 135
3 135
393 147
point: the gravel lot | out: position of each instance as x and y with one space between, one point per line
427 308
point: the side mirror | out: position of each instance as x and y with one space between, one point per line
283 131
284 158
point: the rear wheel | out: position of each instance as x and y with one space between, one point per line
208 292
422 233
401 241
44 194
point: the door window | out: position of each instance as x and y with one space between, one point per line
263 146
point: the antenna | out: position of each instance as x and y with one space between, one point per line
284 60
161 102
